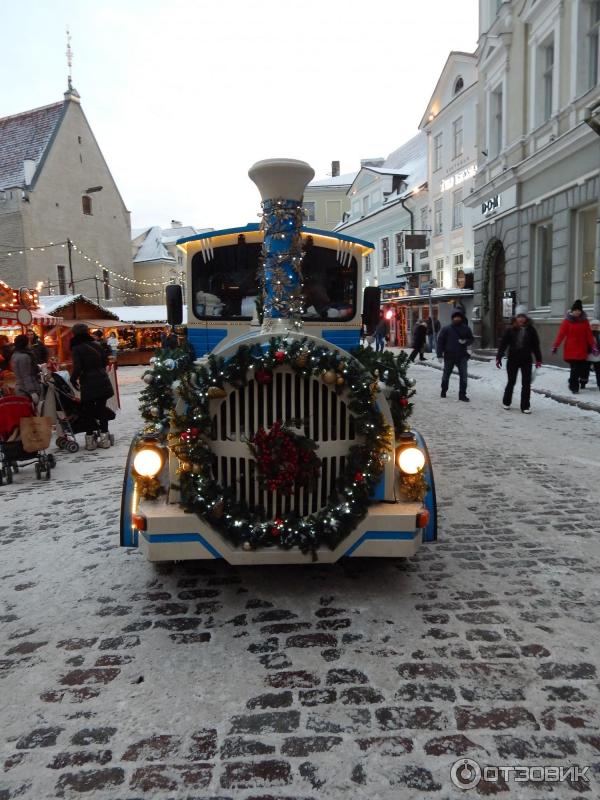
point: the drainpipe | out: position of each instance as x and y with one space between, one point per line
592 118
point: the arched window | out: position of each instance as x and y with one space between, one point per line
459 85
86 204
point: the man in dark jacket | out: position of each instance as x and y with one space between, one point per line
522 342
452 344
37 347
89 373
418 342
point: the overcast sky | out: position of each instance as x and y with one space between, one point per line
184 95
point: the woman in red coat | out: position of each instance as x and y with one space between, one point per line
579 341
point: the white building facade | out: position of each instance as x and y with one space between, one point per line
450 123
535 204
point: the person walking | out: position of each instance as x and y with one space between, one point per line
381 332
25 367
432 325
113 343
577 335
90 376
418 342
452 344
37 347
593 361
522 343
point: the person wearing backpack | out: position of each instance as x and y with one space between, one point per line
90 376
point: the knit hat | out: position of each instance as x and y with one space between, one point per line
521 311
79 329
457 313
577 306
595 322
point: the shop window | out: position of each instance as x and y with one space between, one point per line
438 226
309 211
385 252
439 272
586 243
457 137
333 211
457 208
542 264
399 248
437 151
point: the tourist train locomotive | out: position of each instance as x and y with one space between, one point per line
270 437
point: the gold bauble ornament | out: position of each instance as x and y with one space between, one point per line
215 392
246 546
196 469
185 466
339 380
329 377
301 361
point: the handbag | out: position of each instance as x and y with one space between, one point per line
36 433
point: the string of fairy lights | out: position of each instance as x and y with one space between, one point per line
8 251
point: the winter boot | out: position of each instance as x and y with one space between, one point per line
104 441
90 441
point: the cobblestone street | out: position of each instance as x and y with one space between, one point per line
365 679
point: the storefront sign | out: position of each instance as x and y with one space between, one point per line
459 177
490 205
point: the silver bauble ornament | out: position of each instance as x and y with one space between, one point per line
168 363
155 411
148 378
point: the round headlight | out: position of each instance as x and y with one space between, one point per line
411 460
147 462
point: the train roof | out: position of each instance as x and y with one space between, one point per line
253 230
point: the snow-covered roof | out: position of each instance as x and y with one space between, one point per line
172 234
144 313
52 303
410 160
25 137
339 180
152 248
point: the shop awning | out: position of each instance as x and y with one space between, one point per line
39 318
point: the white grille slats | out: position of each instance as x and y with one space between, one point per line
324 417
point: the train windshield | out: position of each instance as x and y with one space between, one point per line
225 283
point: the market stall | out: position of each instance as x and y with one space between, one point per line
141 334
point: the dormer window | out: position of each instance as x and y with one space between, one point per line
459 85
86 204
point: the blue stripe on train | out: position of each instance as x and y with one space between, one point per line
169 538
394 536
345 339
203 340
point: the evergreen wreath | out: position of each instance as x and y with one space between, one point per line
174 375
285 460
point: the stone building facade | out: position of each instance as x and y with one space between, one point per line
56 186
535 201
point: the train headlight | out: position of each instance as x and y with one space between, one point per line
410 460
148 462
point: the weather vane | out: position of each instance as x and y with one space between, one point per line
69 55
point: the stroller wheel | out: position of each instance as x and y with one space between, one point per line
61 442
51 461
38 472
72 447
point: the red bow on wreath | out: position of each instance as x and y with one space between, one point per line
284 460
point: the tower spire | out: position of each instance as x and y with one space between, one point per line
69 54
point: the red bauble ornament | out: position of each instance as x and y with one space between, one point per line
264 376
279 356
359 477
404 401
194 431
185 436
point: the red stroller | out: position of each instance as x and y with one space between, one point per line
12 455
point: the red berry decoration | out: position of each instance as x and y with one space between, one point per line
264 376
279 356
284 459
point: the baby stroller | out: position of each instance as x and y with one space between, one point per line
12 454
68 416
